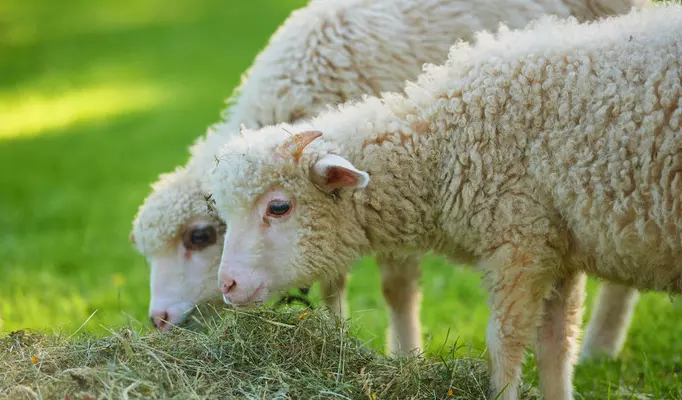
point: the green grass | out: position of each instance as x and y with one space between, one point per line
98 98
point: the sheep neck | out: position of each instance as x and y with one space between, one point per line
439 173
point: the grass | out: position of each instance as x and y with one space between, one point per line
262 354
98 98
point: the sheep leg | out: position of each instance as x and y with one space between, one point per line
517 285
333 291
400 287
556 345
611 317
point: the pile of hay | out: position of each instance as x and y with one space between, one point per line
257 354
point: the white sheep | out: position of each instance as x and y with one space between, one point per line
539 154
326 53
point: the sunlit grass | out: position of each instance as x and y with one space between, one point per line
29 22
33 114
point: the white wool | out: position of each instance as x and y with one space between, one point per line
176 198
309 65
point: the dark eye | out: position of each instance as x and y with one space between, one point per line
278 208
198 238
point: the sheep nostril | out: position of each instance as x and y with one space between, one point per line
160 320
228 285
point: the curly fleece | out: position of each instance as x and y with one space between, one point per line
541 153
330 52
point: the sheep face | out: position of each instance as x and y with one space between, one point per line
183 273
181 239
256 246
291 219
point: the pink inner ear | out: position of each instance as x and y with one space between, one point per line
338 177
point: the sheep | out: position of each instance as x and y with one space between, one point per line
541 155
326 53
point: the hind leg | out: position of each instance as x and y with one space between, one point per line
611 317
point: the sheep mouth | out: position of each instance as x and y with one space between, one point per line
251 300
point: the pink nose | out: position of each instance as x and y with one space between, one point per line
228 285
160 320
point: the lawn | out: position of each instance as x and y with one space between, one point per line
98 98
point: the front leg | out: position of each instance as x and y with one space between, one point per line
518 281
333 292
556 345
400 287
611 317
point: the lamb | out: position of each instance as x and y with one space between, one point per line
539 154
390 40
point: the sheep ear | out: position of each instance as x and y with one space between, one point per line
335 172
131 238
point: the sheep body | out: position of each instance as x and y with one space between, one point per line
310 64
540 154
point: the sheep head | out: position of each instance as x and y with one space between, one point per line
181 239
290 213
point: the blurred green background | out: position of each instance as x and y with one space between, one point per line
98 98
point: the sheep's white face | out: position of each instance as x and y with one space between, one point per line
288 235
183 273
264 238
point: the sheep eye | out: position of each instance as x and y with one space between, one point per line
278 208
196 239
